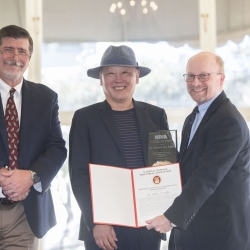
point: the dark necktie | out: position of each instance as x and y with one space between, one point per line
12 127
189 128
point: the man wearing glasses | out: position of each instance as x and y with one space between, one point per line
213 210
32 149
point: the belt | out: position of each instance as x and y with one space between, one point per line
5 201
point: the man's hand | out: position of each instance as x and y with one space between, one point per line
160 224
21 197
2 178
105 237
161 163
16 184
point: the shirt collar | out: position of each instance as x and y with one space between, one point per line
204 107
5 88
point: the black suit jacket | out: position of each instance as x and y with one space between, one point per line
94 138
213 210
41 149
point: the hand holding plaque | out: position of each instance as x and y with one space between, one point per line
162 146
161 163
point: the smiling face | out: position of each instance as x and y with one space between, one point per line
119 85
205 62
12 67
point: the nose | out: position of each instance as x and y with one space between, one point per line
118 77
196 80
15 54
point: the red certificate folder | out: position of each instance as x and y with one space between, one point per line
129 197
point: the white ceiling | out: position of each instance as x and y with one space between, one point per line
175 21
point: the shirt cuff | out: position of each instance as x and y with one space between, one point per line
172 224
38 187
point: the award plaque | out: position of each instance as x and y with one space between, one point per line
162 146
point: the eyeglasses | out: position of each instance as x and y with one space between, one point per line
11 52
202 77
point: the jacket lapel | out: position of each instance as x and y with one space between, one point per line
26 113
108 118
212 108
184 137
3 127
142 117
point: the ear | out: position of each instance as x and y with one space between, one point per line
137 76
222 78
100 76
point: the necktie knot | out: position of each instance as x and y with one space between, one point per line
195 110
12 91
193 114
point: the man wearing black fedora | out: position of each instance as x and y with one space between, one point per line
114 133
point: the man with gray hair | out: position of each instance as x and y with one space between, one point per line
32 149
115 133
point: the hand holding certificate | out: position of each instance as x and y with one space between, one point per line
129 197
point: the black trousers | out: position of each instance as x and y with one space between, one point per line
132 239
175 240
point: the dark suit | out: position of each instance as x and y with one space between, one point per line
94 138
41 149
213 210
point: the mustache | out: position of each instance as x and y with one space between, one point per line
10 62
197 88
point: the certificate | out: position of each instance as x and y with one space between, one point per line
129 197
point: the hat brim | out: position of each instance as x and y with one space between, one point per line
95 72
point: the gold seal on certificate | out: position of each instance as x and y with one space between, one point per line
162 146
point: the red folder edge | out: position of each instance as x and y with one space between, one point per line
134 201
92 203
92 199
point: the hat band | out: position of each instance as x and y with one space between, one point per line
121 61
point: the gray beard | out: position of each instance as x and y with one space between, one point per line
12 76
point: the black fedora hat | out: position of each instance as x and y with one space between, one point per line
122 56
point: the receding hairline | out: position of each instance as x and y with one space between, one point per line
220 63
217 58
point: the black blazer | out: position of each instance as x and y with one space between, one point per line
213 210
41 149
94 138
